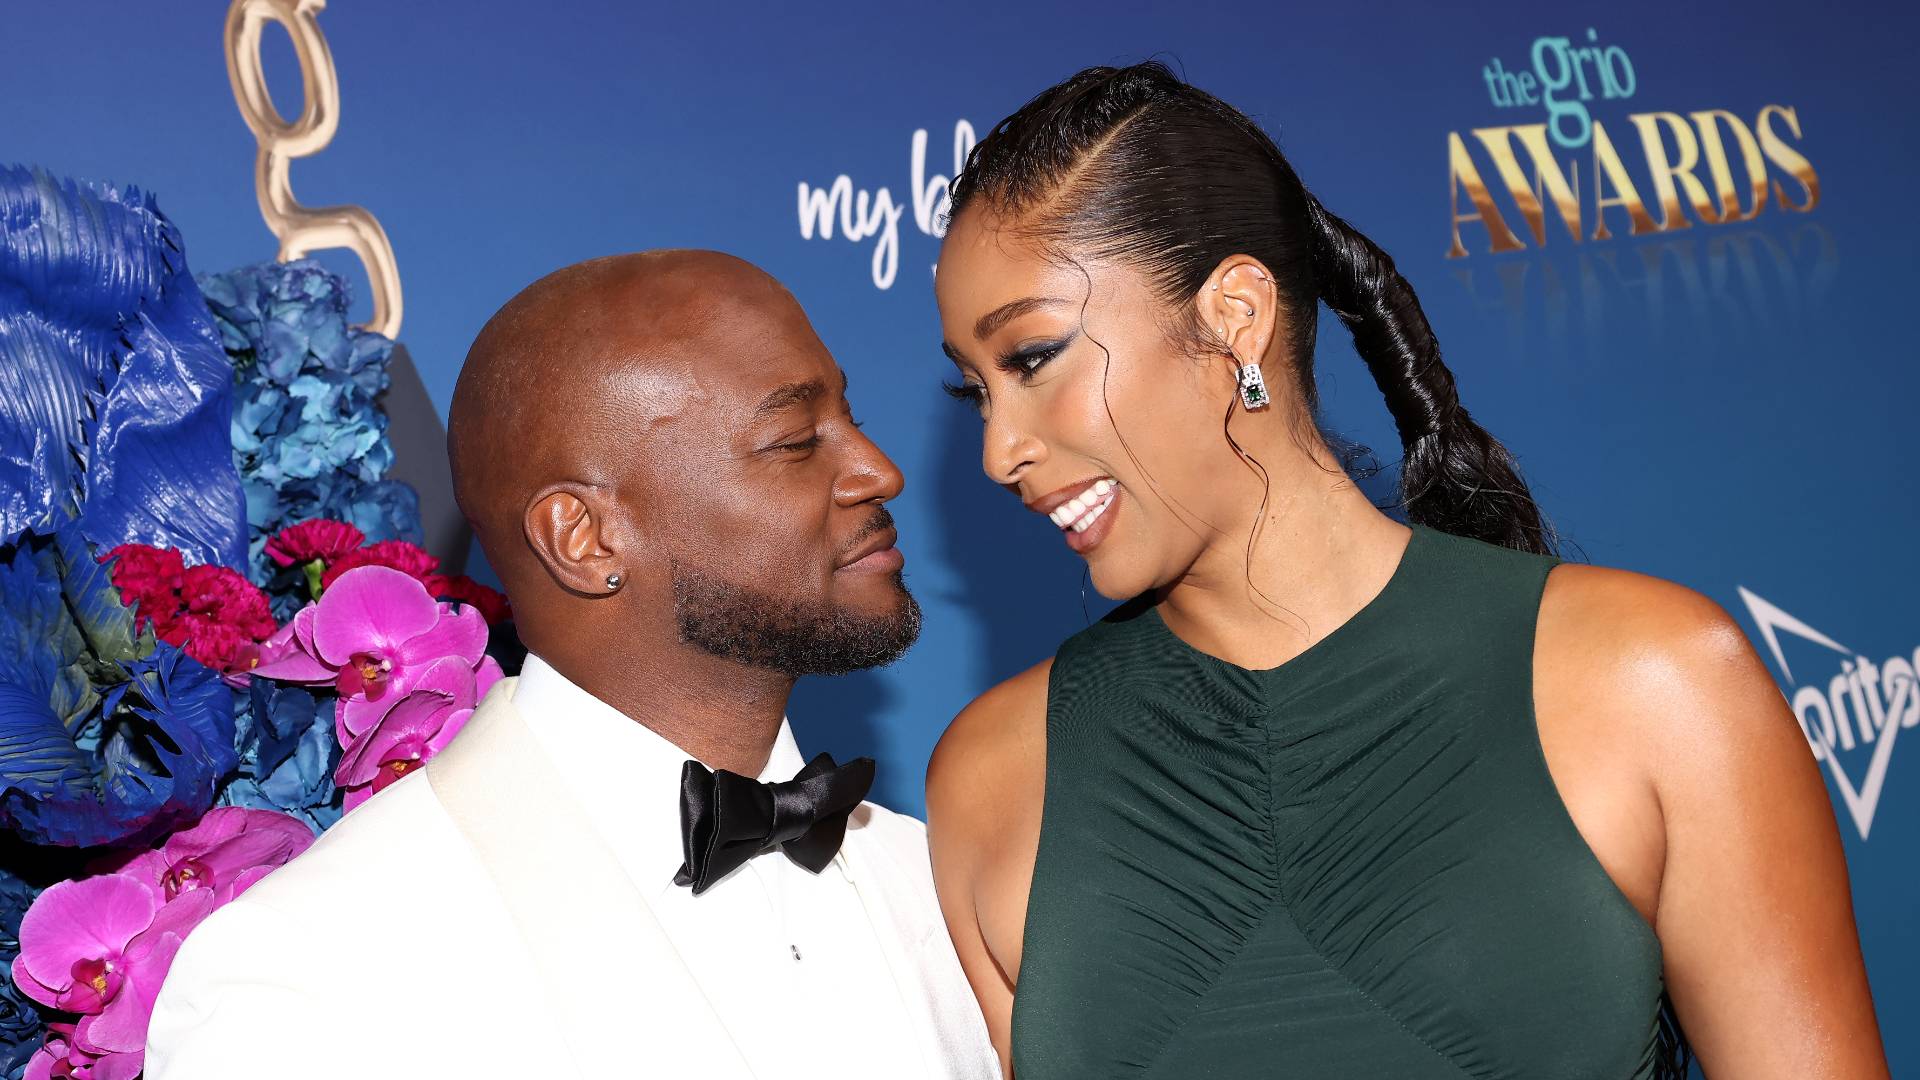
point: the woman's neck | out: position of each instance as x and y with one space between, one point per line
1323 552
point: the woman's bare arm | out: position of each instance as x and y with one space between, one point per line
985 783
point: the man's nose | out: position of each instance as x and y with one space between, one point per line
870 475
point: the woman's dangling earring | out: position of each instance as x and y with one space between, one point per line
1253 387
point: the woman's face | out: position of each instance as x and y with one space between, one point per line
1122 450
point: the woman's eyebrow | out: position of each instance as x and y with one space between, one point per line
1007 312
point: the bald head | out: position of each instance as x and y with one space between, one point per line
658 456
656 449
583 355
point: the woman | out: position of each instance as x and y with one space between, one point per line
1334 797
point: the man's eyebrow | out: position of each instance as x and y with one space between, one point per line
787 395
1007 312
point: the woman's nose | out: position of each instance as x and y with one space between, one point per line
1008 450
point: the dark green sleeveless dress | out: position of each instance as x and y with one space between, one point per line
1355 865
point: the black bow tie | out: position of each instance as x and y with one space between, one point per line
726 818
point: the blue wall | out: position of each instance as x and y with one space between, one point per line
1728 406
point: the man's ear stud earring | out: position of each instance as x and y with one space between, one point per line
613 582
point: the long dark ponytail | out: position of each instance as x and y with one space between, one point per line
1133 163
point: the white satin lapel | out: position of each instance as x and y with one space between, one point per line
933 989
616 982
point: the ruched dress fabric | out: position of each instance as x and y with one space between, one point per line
1354 865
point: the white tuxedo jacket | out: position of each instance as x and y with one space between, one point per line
467 922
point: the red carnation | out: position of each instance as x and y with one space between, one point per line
407 558
464 590
217 594
149 580
211 612
320 538
146 573
215 644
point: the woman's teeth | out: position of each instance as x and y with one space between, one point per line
1083 509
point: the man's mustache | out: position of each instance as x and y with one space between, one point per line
881 521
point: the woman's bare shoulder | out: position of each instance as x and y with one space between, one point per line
993 750
1671 639
1670 670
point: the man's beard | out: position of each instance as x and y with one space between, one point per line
795 638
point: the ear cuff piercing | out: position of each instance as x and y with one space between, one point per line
1216 288
613 582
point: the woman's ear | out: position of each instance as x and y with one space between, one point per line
1241 307
569 539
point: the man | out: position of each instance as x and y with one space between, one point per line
657 455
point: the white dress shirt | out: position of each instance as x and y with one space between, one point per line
789 958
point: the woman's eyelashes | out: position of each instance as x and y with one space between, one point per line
1023 362
970 392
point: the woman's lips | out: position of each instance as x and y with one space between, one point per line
1084 540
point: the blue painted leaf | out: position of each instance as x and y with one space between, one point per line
165 743
115 396
37 638
94 605
38 758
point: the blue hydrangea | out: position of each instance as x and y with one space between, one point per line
308 435
21 1030
20 1019
287 754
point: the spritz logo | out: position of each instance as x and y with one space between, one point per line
1850 709
1686 163
864 215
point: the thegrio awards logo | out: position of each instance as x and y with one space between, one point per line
1850 708
1567 165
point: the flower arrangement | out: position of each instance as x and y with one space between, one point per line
201 562
308 438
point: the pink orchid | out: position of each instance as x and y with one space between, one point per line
69 1053
228 850
436 707
370 634
100 946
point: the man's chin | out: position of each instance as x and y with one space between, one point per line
879 631
874 596
849 630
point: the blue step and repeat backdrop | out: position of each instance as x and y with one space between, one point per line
1668 249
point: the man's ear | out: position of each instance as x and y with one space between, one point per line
568 537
